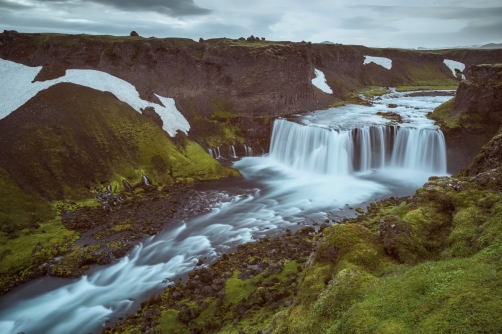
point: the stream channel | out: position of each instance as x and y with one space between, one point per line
321 165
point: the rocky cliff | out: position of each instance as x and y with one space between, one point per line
472 118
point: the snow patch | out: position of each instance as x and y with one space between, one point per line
320 82
17 88
382 61
452 65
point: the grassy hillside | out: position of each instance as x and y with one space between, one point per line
59 147
70 139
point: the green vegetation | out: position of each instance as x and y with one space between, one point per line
427 87
374 91
19 210
222 126
427 74
26 256
426 265
444 113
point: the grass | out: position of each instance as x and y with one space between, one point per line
440 86
374 91
444 112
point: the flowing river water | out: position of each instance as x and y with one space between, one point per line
321 165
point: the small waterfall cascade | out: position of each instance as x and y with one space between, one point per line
146 182
343 152
214 152
248 150
232 152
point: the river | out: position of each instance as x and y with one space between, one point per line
322 165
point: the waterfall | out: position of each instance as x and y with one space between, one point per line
420 149
248 150
232 152
343 152
145 181
311 148
214 153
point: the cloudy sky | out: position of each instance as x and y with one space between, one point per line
384 23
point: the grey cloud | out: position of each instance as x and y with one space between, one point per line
12 5
175 8
363 23
483 29
446 13
169 7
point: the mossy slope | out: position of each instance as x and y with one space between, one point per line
69 139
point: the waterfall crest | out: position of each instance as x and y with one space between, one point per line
343 152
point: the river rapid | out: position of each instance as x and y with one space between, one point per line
322 165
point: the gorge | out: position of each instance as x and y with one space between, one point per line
74 156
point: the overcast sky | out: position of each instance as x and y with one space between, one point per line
385 23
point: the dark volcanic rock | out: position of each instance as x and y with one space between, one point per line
490 157
481 93
150 113
473 117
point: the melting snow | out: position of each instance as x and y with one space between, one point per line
452 65
320 82
382 61
18 88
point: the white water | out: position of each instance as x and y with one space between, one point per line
341 152
309 174
232 152
145 181
248 150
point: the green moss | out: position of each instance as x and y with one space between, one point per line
170 324
237 289
374 91
444 113
19 210
460 296
353 243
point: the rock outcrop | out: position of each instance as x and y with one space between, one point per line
474 116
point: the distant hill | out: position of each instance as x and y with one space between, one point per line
327 42
491 46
